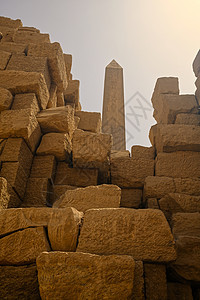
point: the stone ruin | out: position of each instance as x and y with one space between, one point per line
77 220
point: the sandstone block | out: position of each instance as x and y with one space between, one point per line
116 153
91 150
43 167
52 96
56 144
19 62
60 99
71 94
140 152
63 232
26 101
178 164
176 290
138 283
186 224
4 194
74 176
188 119
21 124
101 196
59 190
23 36
4 58
19 82
189 186
68 64
13 47
4 21
55 60
143 234
155 281
196 64
89 121
7 33
23 247
129 172
174 137
167 85
59 119
131 198
2 145
152 203
5 99
85 276
27 28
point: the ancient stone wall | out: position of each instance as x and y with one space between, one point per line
77 219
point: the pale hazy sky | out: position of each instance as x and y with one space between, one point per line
148 38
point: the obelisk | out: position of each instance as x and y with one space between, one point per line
113 118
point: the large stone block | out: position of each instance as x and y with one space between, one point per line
140 152
4 21
59 190
8 197
143 234
74 176
138 283
188 119
22 124
71 94
13 47
167 85
155 281
116 153
52 96
101 196
26 101
68 64
23 247
56 144
7 33
89 121
4 58
43 167
196 64
55 60
176 290
6 99
19 62
23 36
129 172
131 198
178 164
85 276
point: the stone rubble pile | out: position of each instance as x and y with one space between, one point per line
77 219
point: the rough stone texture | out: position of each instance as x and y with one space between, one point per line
43 167
131 198
30 37
152 203
63 232
56 144
138 283
143 234
91 150
19 282
71 94
196 64
26 101
166 85
178 164
7 33
68 64
55 60
8 197
155 282
115 154
186 229
13 47
60 99
4 58
23 247
59 190
173 203
5 99
52 96
21 62
89 121
171 138
19 82
4 21
59 119
176 290
140 152
2 145
74 176
22 124
101 196
85 276
129 172
188 119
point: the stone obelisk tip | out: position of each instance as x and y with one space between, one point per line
113 64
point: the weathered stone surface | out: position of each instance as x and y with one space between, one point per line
85 276
63 232
52 96
186 229
59 190
23 247
143 234
152 203
91 150
138 283
56 144
129 172
16 150
19 282
171 138
155 282
4 58
5 99
20 123
7 33
60 99
13 47
27 28
131 198
18 82
178 164
74 176
176 290
21 62
4 194
189 186
68 64
167 85
26 101
37 192
43 167
89 121
2 145
100 196
140 152
188 119
30 37
55 60
4 21
59 119
196 64
71 94
115 154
